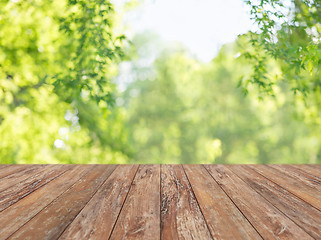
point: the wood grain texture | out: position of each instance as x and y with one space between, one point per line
181 217
20 190
267 219
150 202
4 166
140 215
97 219
311 169
300 189
53 219
12 169
11 218
314 172
19 175
299 175
222 216
300 212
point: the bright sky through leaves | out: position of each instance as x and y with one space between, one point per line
201 25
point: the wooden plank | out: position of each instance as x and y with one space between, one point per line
12 169
181 217
15 216
299 175
300 189
22 189
140 216
305 216
4 166
19 175
225 221
311 169
98 217
53 219
314 165
267 219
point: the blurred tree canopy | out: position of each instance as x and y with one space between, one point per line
57 59
59 101
191 112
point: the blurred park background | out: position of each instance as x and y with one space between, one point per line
159 81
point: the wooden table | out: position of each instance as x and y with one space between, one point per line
160 202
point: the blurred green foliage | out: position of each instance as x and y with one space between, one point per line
191 112
290 32
59 102
57 59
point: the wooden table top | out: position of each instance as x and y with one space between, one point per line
160 202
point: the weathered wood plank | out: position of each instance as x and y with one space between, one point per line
19 175
305 216
299 175
4 166
181 217
15 216
267 219
22 189
98 217
300 189
225 221
314 165
140 216
53 219
312 170
237 202
12 169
